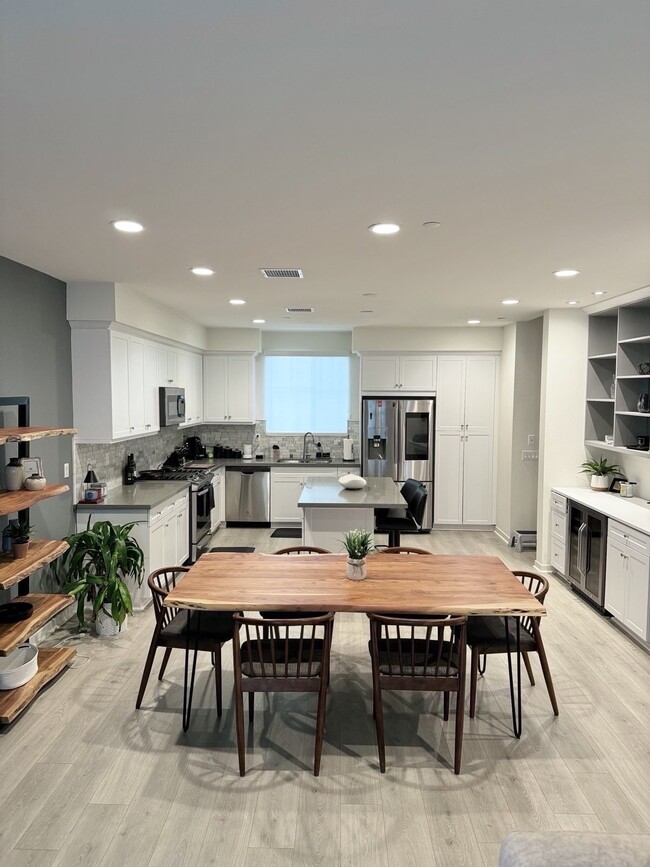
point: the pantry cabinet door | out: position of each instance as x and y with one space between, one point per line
477 479
480 394
450 399
448 489
120 384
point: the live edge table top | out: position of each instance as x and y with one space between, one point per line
436 584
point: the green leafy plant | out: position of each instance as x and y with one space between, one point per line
96 565
358 543
20 531
600 468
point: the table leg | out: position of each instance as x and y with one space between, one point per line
187 697
516 710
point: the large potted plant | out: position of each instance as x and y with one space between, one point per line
600 472
358 544
96 565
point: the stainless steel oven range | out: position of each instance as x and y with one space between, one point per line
201 501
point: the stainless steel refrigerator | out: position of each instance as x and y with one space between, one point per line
397 440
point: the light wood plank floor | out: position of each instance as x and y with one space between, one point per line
87 779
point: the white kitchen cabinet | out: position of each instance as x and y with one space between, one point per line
190 377
229 389
167 365
465 413
627 578
286 487
114 383
398 373
218 513
559 513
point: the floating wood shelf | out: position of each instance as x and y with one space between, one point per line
46 605
51 660
40 553
26 434
15 501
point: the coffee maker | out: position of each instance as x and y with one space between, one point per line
196 449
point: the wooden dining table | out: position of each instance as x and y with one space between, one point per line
421 585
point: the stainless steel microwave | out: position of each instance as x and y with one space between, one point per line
172 406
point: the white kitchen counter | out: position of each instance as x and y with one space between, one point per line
634 512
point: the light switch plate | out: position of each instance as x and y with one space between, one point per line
531 439
66 470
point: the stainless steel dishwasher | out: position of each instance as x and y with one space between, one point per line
248 496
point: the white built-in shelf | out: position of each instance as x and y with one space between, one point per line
600 400
603 356
644 339
635 376
636 414
597 444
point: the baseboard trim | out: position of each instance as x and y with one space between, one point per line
502 535
542 567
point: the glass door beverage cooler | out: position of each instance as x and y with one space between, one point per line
587 552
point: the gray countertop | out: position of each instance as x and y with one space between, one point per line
142 495
378 494
215 463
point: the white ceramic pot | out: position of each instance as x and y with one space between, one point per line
14 475
356 570
19 667
35 482
600 483
106 627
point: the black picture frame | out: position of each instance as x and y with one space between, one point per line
615 486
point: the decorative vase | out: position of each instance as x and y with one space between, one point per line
356 570
107 627
35 482
612 388
599 483
643 403
20 550
14 475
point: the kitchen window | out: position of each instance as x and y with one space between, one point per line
307 393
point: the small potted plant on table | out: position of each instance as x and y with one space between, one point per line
96 565
358 544
19 534
600 472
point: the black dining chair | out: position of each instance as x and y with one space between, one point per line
295 550
395 521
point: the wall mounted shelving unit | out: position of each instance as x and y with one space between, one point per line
619 341
51 660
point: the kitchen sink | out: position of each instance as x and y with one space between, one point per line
288 461
304 463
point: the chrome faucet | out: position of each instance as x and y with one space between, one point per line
305 452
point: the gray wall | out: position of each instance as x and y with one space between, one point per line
35 361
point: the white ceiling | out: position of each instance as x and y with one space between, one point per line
247 134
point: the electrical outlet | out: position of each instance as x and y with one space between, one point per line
66 470
531 439
529 456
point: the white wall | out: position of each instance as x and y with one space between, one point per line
505 426
427 339
310 342
562 414
234 340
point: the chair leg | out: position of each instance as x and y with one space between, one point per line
460 721
445 704
239 722
251 707
168 653
379 718
147 671
216 661
529 668
320 725
545 669
473 681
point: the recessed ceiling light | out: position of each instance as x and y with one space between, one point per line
431 224
566 272
384 228
473 321
366 311
127 226
200 271
599 292
259 321
237 301
572 302
369 294
500 317
510 301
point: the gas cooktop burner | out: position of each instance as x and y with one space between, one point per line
164 474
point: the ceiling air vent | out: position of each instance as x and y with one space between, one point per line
282 272
299 309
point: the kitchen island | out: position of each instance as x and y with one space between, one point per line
329 510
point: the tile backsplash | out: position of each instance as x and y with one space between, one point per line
108 459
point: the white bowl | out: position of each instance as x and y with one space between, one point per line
352 482
19 666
